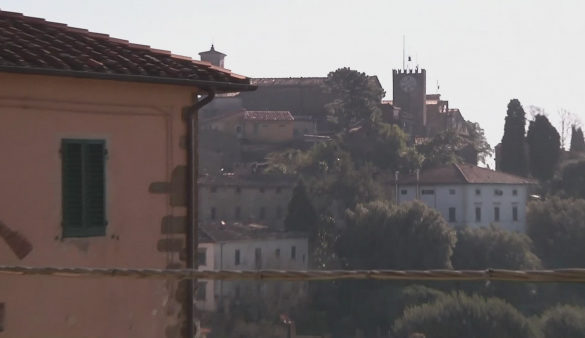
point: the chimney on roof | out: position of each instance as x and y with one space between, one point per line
212 56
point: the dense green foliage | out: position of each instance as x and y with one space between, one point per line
301 214
384 236
572 180
458 315
544 144
493 247
557 229
513 142
563 321
577 139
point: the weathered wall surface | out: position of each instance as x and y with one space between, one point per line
142 127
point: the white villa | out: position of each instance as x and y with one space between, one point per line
239 246
469 195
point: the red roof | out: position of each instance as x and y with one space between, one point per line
268 115
463 174
33 45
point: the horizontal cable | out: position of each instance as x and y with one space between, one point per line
561 275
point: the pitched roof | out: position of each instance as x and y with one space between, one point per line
258 115
463 174
33 45
218 232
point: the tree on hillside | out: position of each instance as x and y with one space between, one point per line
563 321
357 98
478 143
441 149
458 315
577 139
493 247
301 214
513 149
384 236
573 180
557 229
544 147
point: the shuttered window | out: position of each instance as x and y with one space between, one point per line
83 187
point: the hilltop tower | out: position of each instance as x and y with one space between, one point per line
409 93
212 56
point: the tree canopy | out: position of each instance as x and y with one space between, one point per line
577 139
557 229
544 144
301 214
513 142
458 315
563 321
384 236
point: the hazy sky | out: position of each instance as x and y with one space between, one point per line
482 53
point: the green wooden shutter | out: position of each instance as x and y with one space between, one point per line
83 171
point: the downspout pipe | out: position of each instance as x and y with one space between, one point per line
191 231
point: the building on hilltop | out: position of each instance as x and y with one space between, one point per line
92 140
469 195
419 114
246 198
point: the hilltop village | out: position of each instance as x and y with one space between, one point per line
137 165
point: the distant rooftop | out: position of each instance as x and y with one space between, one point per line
258 115
463 174
230 232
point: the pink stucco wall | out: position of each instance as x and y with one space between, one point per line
142 126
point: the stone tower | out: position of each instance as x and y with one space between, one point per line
212 56
409 93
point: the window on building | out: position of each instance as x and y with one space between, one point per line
515 192
498 192
262 190
83 187
256 126
304 258
277 253
212 213
478 214
451 191
201 291
238 190
278 211
427 192
293 252
278 190
201 256
496 214
452 215
477 192
237 257
258 258
403 192
515 213
237 213
237 291
262 213
213 189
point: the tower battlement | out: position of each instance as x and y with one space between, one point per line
409 71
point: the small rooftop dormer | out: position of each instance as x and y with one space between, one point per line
212 56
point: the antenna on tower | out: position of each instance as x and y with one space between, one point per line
404 51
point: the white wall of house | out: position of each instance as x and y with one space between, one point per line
458 203
275 254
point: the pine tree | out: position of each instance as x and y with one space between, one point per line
301 213
577 140
544 144
513 154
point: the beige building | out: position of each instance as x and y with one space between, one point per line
93 170
249 198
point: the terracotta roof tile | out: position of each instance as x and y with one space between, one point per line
33 45
268 115
463 174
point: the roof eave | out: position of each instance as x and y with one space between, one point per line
218 86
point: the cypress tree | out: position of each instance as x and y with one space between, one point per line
577 140
513 153
301 213
544 147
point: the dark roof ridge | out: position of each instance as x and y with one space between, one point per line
461 172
